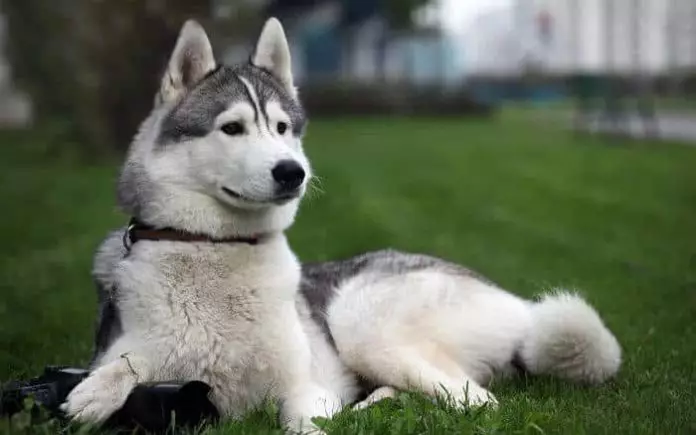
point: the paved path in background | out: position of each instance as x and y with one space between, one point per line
670 126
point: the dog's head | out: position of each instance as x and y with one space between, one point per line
221 153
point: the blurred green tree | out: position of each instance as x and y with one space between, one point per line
95 64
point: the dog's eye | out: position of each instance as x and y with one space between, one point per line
282 127
233 128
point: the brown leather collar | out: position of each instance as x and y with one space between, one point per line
139 231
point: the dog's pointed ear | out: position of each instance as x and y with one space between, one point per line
272 53
190 61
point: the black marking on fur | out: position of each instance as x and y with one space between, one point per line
194 116
259 103
109 326
318 286
263 98
518 364
269 88
393 262
250 99
320 280
365 388
212 71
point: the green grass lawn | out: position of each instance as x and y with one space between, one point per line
519 201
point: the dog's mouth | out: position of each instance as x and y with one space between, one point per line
279 199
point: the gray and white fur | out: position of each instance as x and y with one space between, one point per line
221 155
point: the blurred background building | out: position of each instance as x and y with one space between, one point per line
99 61
353 39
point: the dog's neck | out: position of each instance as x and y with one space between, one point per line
199 214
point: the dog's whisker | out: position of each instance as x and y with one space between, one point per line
314 188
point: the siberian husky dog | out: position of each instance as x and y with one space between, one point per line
203 285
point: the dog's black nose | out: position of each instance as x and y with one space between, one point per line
288 174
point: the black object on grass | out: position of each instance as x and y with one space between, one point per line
153 407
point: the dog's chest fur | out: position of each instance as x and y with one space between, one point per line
211 312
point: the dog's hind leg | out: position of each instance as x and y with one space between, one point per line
379 394
426 331
421 369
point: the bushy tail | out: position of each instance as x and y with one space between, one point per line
569 340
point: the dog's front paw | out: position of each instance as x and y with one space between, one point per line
303 427
312 401
101 394
476 396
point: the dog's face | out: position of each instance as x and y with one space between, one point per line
236 136
222 139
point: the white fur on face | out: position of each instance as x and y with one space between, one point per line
219 163
217 184
247 160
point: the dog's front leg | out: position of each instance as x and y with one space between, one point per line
305 401
106 389
302 398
